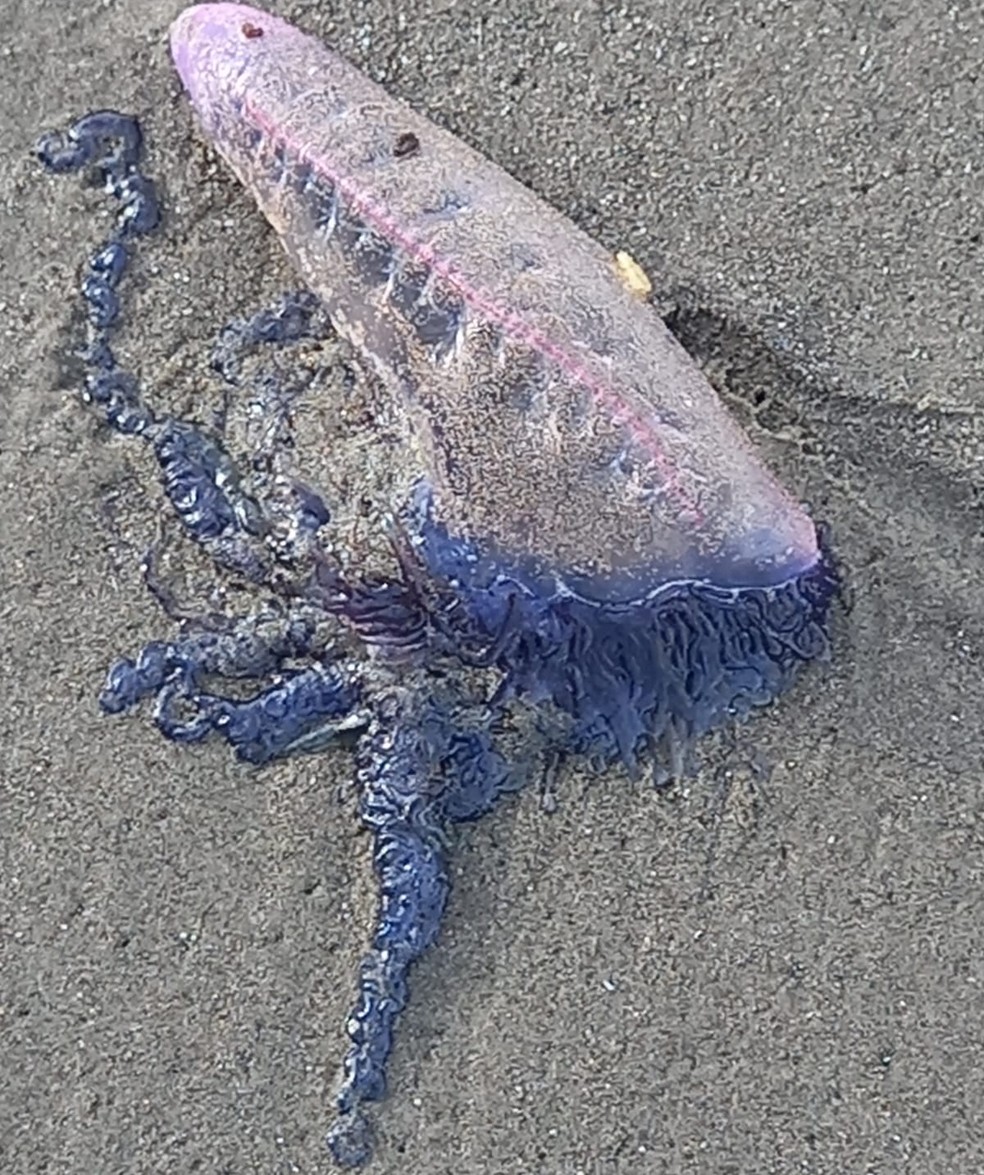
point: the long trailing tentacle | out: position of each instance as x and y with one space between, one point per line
418 773
199 478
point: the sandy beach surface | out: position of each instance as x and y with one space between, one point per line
776 968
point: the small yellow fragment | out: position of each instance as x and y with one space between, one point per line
633 276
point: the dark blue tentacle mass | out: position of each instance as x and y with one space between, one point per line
641 677
295 315
306 711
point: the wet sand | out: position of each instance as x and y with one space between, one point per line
777 968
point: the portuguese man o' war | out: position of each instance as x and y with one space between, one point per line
592 560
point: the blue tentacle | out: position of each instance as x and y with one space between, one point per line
418 773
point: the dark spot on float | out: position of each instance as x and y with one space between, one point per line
448 204
524 257
348 232
433 314
251 31
279 163
525 389
406 145
374 257
300 177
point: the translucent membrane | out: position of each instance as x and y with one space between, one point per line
559 424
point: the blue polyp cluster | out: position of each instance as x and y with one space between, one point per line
296 315
640 678
110 143
305 712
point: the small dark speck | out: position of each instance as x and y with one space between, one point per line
407 144
252 31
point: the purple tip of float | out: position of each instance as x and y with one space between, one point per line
208 42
